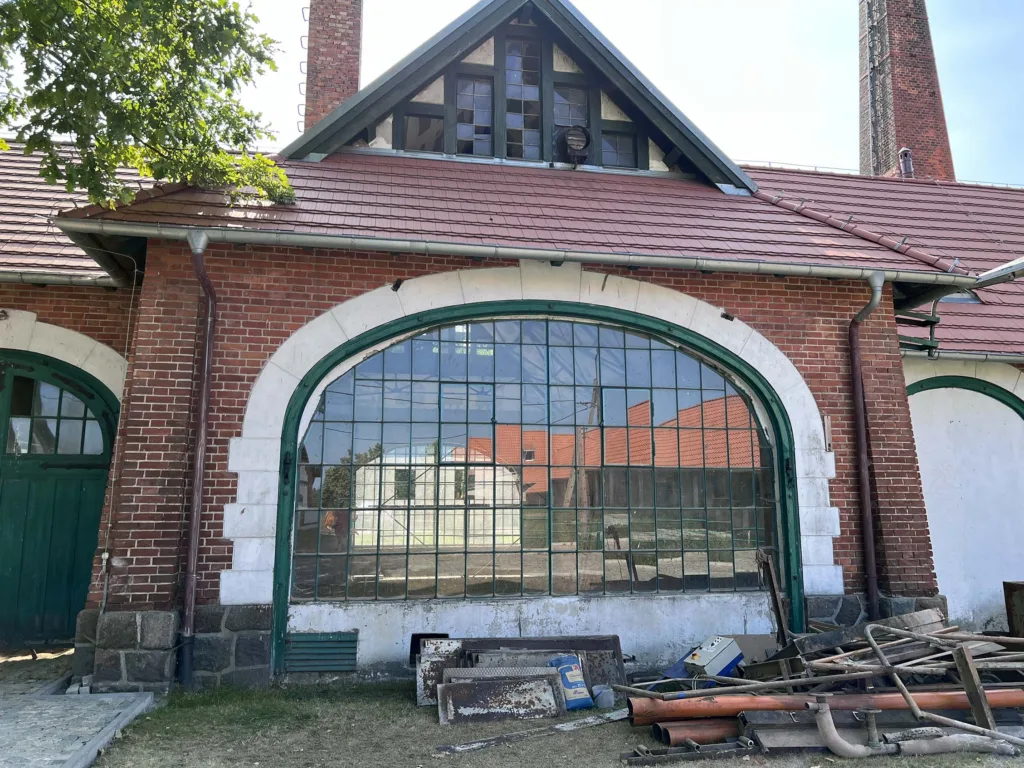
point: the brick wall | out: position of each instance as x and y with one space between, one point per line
332 63
99 313
908 108
265 295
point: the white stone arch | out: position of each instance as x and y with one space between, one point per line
255 456
23 331
1001 374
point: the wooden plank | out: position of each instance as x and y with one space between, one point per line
35 551
912 621
975 690
13 512
57 618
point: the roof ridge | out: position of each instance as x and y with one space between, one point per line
865 234
851 174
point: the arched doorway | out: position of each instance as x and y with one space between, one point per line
58 425
970 443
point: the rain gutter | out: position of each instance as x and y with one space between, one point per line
971 357
57 278
479 251
867 520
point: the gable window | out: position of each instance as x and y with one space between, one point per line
424 134
522 99
474 104
571 108
619 150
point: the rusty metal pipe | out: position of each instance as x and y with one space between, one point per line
710 731
198 242
867 520
650 711
917 707
836 744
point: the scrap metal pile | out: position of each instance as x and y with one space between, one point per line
908 685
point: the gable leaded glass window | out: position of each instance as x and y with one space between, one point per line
474 104
571 108
619 150
530 457
522 99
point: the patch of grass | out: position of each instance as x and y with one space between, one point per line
378 724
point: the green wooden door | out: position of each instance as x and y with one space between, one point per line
58 427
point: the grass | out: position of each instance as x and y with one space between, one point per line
378 724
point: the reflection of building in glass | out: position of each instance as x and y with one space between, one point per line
521 457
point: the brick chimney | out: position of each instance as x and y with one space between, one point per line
332 63
900 100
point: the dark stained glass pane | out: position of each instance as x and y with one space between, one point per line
424 134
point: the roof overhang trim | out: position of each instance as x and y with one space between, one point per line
243 236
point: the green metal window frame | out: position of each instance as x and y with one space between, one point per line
95 394
777 421
980 386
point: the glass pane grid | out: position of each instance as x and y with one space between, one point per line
530 457
474 116
47 420
619 150
522 99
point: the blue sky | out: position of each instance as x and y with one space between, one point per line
765 80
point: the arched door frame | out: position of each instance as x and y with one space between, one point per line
981 386
369 341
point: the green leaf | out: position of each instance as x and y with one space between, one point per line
146 84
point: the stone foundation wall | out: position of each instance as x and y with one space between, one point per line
134 650
232 645
847 610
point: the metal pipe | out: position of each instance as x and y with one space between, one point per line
709 731
867 521
974 357
56 278
198 242
650 711
474 250
836 744
927 746
772 685
915 707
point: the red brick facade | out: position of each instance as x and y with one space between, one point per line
332 66
907 100
265 295
99 313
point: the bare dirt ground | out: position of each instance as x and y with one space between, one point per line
366 724
17 667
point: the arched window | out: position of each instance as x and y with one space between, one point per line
531 457
45 420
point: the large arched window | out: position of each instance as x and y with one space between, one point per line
531 457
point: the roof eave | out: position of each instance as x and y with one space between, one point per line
276 238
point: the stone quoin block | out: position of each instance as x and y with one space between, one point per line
107 667
209 618
249 617
212 653
118 630
149 666
159 630
85 625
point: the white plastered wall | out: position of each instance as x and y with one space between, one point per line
970 450
22 331
251 521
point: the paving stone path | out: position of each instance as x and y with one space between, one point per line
42 730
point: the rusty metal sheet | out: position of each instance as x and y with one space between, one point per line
498 699
436 655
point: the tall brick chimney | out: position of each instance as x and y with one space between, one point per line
900 100
332 62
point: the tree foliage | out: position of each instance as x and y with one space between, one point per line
145 84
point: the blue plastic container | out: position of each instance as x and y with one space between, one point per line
573 685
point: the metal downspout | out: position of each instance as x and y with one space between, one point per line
867 521
198 242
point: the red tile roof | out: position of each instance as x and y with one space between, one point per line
29 244
392 197
980 227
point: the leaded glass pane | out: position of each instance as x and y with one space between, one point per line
520 457
474 105
522 99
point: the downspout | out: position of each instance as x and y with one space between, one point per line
198 241
867 521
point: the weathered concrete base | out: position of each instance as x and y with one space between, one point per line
232 645
656 629
134 651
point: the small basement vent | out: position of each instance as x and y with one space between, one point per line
320 652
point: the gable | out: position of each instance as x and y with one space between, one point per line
506 81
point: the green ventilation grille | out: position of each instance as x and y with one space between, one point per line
321 652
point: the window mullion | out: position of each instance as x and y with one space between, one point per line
499 109
450 89
547 98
